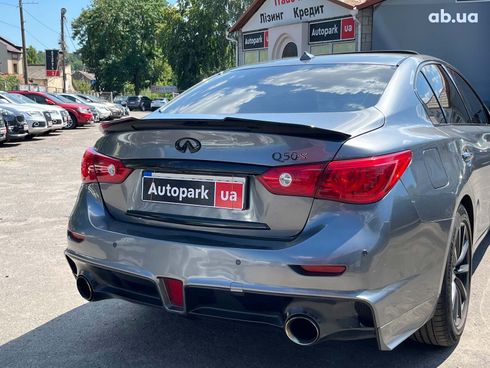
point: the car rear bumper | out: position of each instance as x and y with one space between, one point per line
388 290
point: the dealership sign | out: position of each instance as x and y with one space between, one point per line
281 12
333 30
52 63
257 40
164 89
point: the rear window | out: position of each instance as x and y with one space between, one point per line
287 89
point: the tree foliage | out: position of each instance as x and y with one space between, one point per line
118 41
31 55
142 42
195 31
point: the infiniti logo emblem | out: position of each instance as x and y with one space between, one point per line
188 144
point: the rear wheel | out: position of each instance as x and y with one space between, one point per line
73 123
447 325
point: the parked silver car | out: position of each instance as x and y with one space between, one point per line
116 110
337 197
100 109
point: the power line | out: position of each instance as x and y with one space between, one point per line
42 44
70 37
43 24
7 4
9 24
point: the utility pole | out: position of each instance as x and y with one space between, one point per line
24 50
63 48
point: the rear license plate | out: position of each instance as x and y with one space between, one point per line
194 190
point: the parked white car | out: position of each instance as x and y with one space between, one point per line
36 119
57 115
159 102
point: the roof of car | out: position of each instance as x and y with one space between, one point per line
381 58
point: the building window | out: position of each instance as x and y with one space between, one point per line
342 47
322 49
291 50
16 71
256 56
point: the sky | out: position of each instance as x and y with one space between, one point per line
42 21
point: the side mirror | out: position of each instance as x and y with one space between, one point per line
49 102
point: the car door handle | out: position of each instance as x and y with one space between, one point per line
467 156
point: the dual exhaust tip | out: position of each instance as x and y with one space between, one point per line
302 330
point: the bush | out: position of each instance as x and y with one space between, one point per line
9 82
81 86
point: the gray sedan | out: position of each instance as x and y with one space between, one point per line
337 197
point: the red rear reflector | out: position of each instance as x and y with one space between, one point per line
362 181
324 270
97 167
175 291
76 237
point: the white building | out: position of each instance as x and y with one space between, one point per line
274 29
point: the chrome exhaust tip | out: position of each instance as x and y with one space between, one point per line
302 330
85 288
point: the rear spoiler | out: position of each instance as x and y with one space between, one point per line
230 124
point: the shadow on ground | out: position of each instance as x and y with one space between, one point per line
119 334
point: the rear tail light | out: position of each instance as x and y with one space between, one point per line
359 181
175 291
97 167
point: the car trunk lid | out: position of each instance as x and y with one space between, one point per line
215 159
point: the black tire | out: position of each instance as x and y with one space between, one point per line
447 325
143 107
28 137
74 122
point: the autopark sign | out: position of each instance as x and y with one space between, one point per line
256 40
333 30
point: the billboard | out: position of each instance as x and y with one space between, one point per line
52 63
457 31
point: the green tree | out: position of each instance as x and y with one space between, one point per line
195 31
75 61
31 55
41 57
118 42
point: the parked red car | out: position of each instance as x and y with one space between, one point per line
80 114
